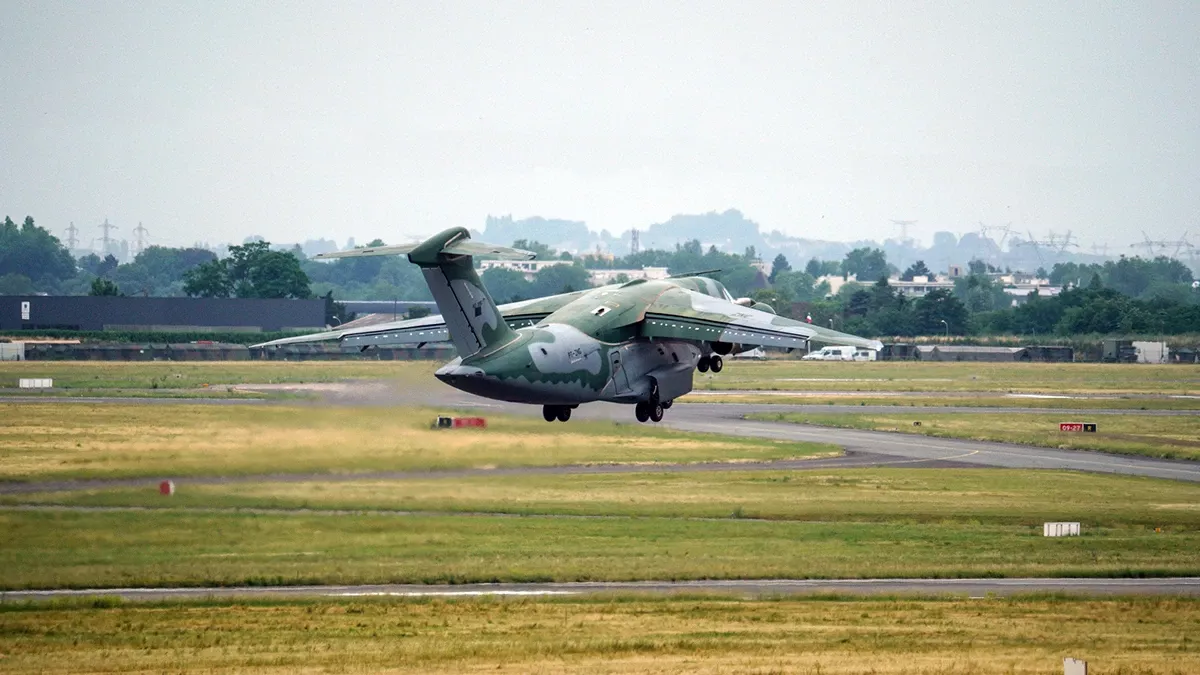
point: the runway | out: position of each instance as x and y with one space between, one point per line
970 588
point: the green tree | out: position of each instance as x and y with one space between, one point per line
820 268
33 252
209 280
104 287
16 284
936 306
251 270
866 264
556 279
780 264
917 269
506 285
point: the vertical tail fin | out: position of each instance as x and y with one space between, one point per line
446 261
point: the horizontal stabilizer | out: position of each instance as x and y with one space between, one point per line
459 247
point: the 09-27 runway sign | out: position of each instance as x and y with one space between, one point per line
1077 426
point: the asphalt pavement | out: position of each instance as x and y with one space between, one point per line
969 588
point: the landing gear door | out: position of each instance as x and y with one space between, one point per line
619 378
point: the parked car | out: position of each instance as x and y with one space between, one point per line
840 353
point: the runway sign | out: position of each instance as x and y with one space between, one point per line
1089 427
35 383
166 488
445 422
1060 529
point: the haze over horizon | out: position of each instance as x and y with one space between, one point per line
301 120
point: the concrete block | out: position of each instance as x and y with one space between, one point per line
1074 666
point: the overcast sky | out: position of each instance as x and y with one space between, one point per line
210 120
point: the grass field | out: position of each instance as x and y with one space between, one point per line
174 375
50 441
924 400
1171 437
610 635
925 496
917 376
912 376
849 523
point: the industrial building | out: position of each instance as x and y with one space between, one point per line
91 313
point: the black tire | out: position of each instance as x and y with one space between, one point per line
564 413
717 363
667 404
656 413
642 411
702 366
549 413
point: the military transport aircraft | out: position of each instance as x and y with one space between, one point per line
638 342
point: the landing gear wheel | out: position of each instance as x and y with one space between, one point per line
549 413
642 411
656 412
564 413
716 363
667 404
702 366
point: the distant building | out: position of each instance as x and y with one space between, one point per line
920 286
527 267
83 312
602 277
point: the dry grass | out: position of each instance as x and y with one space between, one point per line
45 441
617 635
102 375
1176 437
966 496
917 376
904 400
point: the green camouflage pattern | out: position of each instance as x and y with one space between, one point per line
636 342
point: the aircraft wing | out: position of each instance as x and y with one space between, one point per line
429 328
684 314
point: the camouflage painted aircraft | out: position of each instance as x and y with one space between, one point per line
638 342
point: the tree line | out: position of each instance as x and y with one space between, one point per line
1127 295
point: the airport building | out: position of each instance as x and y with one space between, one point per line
91 313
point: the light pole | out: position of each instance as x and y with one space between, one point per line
947 328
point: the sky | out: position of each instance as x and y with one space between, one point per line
208 120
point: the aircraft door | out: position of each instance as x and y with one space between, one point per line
619 377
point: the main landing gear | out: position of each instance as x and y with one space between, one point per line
562 413
714 363
651 410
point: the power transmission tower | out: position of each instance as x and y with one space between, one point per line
1098 249
1066 242
72 239
1149 244
141 233
106 226
635 242
904 229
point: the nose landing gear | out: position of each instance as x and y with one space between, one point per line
714 363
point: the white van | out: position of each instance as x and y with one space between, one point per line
840 353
